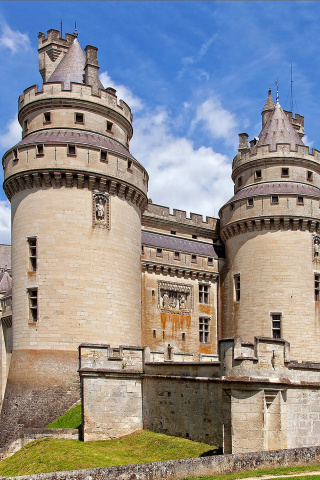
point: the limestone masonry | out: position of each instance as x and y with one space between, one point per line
207 330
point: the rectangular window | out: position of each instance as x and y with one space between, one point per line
33 304
173 232
204 329
195 237
47 117
210 261
285 172
79 117
154 333
250 202
309 176
237 287
276 325
15 154
159 252
177 255
194 258
274 198
316 287
258 175
129 164
25 125
183 337
239 181
299 200
109 126
32 242
203 293
71 149
40 150
103 156
231 206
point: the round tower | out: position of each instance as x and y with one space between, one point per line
270 284
77 195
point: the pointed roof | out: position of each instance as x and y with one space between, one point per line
269 105
5 283
278 129
71 67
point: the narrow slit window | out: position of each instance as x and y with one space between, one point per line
183 337
317 287
204 329
33 304
203 293
159 252
231 206
239 181
32 243
154 333
109 126
129 164
194 258
237 287
25 125
15 154
276 325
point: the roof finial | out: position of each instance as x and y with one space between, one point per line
75 33
277 85
61 28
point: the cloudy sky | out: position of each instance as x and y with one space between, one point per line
194 73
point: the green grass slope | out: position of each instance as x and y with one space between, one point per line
71 419
52 455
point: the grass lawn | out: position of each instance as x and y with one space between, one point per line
52 455
279 472
71 419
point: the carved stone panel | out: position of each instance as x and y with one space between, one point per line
101 210
175 297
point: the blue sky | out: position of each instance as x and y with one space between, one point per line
194 73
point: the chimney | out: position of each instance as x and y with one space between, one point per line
91 69
243 141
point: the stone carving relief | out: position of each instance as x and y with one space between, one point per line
101 210
316 248
175 297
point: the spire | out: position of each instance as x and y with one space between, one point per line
71 67
278 129
267 109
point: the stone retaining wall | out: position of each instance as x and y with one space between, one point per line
191 467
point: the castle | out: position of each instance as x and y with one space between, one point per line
202 329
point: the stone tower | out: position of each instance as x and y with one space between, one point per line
77 195
270 285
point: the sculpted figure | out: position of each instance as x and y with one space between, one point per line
182 302
165 301
100 210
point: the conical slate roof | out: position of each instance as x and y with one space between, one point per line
71 67
269 105
5 283
278 129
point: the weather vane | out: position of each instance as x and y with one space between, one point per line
277 85
75 33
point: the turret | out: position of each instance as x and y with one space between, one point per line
77 195
270 227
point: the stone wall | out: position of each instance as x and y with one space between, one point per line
191 467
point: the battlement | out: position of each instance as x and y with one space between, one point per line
296 121
53 36
160 212
255 153
52 91
104 357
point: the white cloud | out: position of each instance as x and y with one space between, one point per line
181 176
13 40
5 222
189 61
123 92
217 121
12 134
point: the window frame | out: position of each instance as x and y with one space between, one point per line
79 122
283 174
204 293
237 287
204 329
32 249
33 304
276 331
316 286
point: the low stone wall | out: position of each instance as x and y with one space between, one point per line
30 434
191 467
